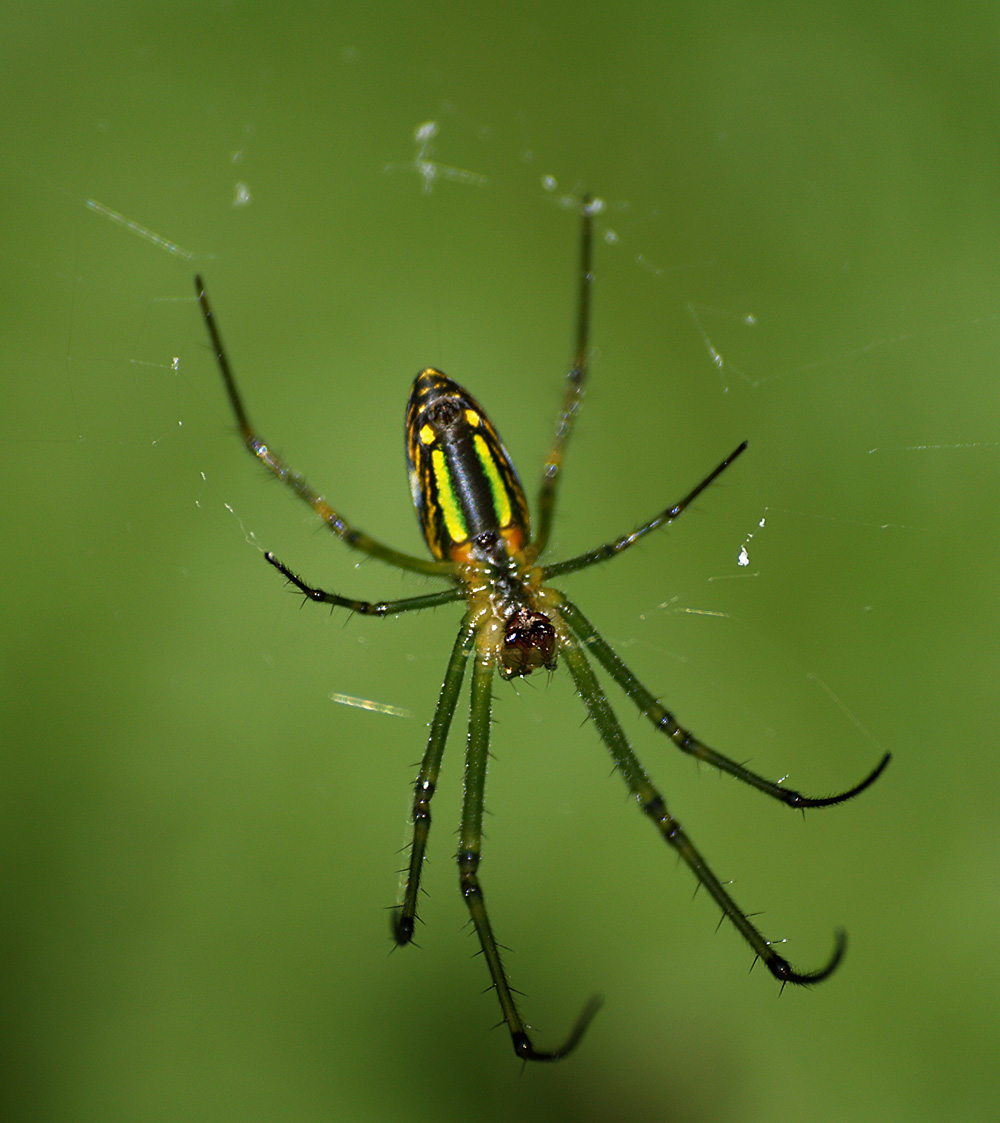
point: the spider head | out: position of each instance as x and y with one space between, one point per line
529 642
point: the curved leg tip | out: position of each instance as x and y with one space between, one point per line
527 1052
782 970
799 800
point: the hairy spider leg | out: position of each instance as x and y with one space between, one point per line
475 521
682 738
653 804
265 454
576 377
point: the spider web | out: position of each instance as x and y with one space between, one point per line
764 270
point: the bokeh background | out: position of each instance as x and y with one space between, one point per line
799 247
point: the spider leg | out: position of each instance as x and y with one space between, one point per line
664 720
469 850
653 804
262 451
404 918
366 608
611 549
576 376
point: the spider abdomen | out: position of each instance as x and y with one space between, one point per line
461 477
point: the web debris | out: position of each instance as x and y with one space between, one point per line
958 445
811 676
429 169
749 320
743 559
369 704
142 231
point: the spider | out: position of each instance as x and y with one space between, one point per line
474 517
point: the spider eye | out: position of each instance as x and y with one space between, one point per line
529 642
490 547
443 413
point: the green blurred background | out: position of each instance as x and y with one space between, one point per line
199 845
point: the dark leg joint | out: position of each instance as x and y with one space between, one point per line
655 808
422 796
468 864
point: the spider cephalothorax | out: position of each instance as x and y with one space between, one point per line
475 520
529 642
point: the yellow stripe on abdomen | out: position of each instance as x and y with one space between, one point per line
454 520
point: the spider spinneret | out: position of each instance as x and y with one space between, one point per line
475 520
